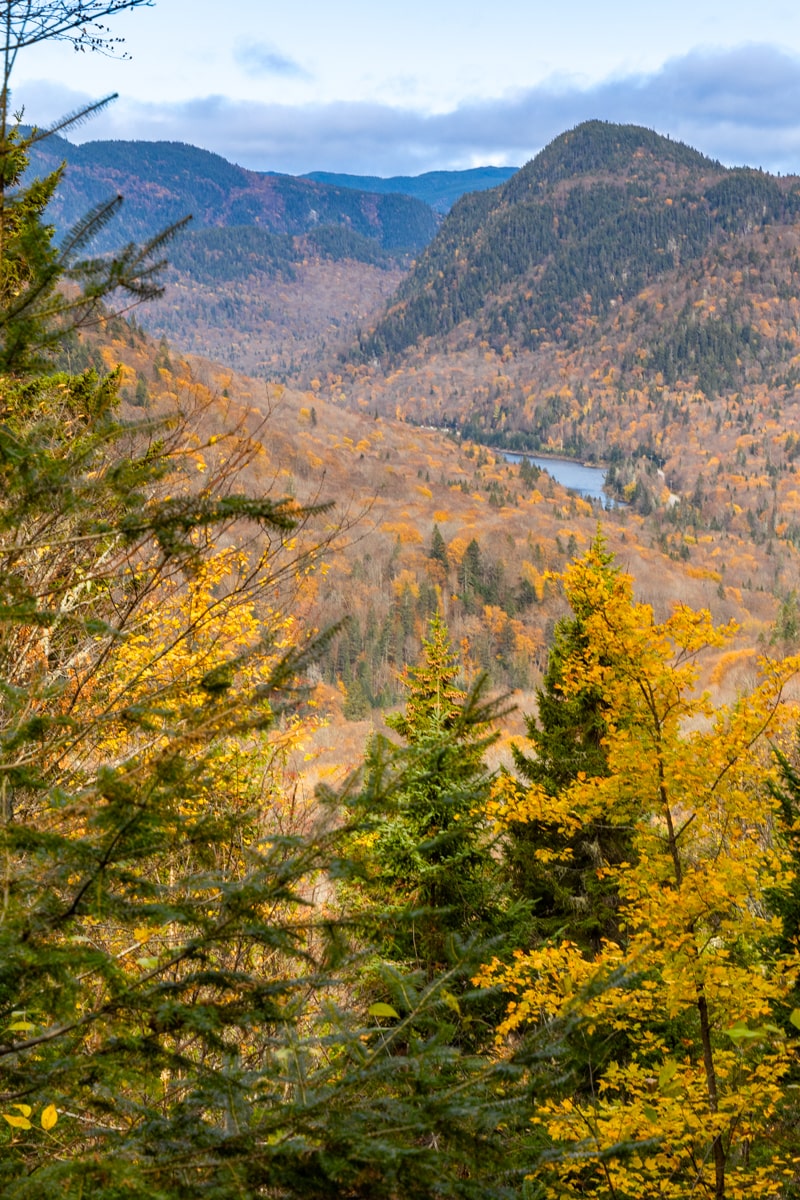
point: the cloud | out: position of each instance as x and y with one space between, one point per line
261 58
741 106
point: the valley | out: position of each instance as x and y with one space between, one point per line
699 442
369 792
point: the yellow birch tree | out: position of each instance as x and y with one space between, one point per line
689 985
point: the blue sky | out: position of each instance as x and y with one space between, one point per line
368 88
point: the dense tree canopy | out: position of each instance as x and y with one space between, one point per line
689 976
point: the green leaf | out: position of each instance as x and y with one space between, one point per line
741 1033
794 1017
667 1071
379 1009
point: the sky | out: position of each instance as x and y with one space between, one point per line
386 89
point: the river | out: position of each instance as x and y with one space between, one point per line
586 481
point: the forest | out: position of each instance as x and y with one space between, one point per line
569 969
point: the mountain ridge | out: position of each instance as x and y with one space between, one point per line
599 215
162 182
440 189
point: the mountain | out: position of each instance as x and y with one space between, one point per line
440 189
600 216
163 181
272 270
623 299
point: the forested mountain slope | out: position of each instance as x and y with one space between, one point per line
621 299
440 524
602 213
163 181
272 272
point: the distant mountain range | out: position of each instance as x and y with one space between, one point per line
273 269
161 182
439 189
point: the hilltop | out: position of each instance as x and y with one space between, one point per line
586 226
624 299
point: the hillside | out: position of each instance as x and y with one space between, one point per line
163 181
430 522
599 215
621 299
272 323
272 273
710 477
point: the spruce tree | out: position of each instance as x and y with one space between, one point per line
432 872
48 289
784 900
438 550
566 735
36 308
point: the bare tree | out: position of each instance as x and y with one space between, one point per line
26 23
48 287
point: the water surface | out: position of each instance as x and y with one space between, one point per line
586 481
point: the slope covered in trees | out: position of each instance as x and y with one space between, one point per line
596 216
163 181
272 271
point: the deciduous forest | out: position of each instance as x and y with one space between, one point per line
403 842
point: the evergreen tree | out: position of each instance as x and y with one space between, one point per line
173 1013
174 1020
471 570
785 901
430 864
35 307
438 550
567 734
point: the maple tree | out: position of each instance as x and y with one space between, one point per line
691 979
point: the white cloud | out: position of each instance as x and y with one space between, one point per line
741 106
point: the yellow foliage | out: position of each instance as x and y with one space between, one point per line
695 951
731 659
404 530
702 573
406 581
